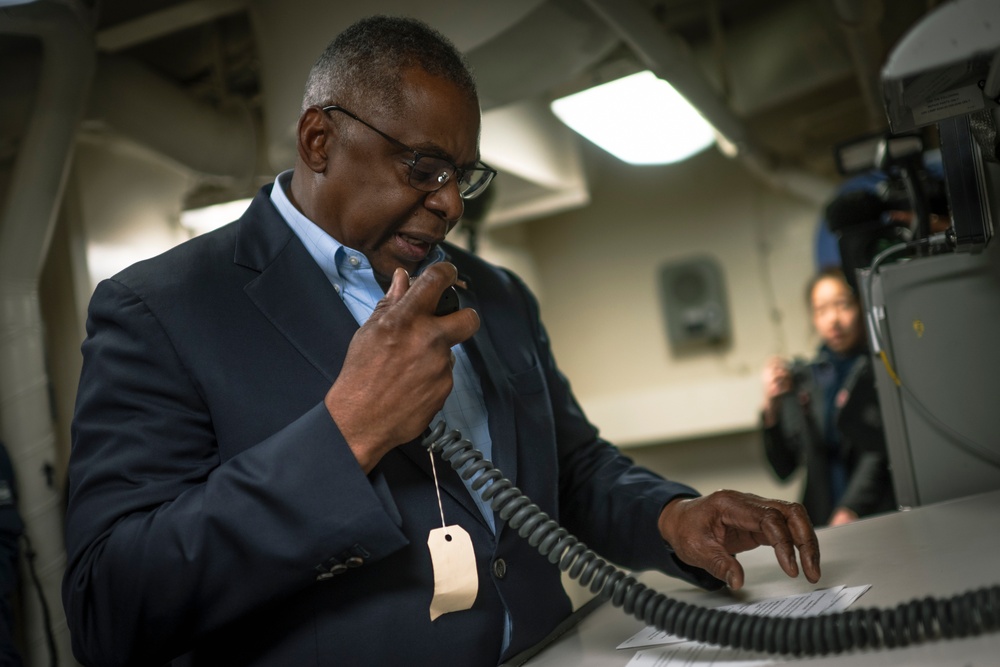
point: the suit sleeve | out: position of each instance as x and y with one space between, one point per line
149 495
606 500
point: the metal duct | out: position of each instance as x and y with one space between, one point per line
139 104
34 192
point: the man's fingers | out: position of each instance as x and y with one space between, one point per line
397 288
808 547
426 290
776 533
709 531
424 294
458 327
802 536
725 567
786 528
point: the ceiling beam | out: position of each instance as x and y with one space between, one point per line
166 21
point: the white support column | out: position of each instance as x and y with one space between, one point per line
33 197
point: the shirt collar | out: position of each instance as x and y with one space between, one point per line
325 249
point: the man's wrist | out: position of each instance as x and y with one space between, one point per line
670 517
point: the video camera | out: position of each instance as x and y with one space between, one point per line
900 207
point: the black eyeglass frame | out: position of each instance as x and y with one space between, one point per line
473 188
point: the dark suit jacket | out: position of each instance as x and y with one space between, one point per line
797 439
210 489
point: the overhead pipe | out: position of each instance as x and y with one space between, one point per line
859 20
667 56
33 196
138 104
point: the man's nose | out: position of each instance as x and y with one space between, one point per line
446 202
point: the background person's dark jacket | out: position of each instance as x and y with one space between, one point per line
797 440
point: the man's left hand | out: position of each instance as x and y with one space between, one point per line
707 532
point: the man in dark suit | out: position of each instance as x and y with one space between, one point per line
247 483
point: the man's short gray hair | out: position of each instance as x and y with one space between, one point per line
364 64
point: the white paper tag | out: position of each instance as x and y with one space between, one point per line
456 581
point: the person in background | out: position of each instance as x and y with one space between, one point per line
824 415
248 484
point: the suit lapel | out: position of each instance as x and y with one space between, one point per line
496 393
293 292
297 298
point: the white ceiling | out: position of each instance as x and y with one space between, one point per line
786 79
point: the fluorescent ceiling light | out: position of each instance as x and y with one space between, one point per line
201 220
640 119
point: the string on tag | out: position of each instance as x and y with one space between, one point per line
453 558
437 488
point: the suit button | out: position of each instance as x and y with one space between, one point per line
499 568
354 561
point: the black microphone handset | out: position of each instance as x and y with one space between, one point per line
448 303
919 620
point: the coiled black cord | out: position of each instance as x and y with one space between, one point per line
919 620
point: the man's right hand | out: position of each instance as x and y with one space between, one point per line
709 531
398 369
777 380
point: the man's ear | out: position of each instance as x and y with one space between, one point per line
313 135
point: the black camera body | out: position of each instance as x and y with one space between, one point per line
865 225
860 220
898 209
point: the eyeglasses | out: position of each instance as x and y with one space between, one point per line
430 173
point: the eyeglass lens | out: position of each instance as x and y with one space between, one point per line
429 173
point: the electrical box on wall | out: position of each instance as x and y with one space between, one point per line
693 294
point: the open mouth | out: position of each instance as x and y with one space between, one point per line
412 247
414 241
